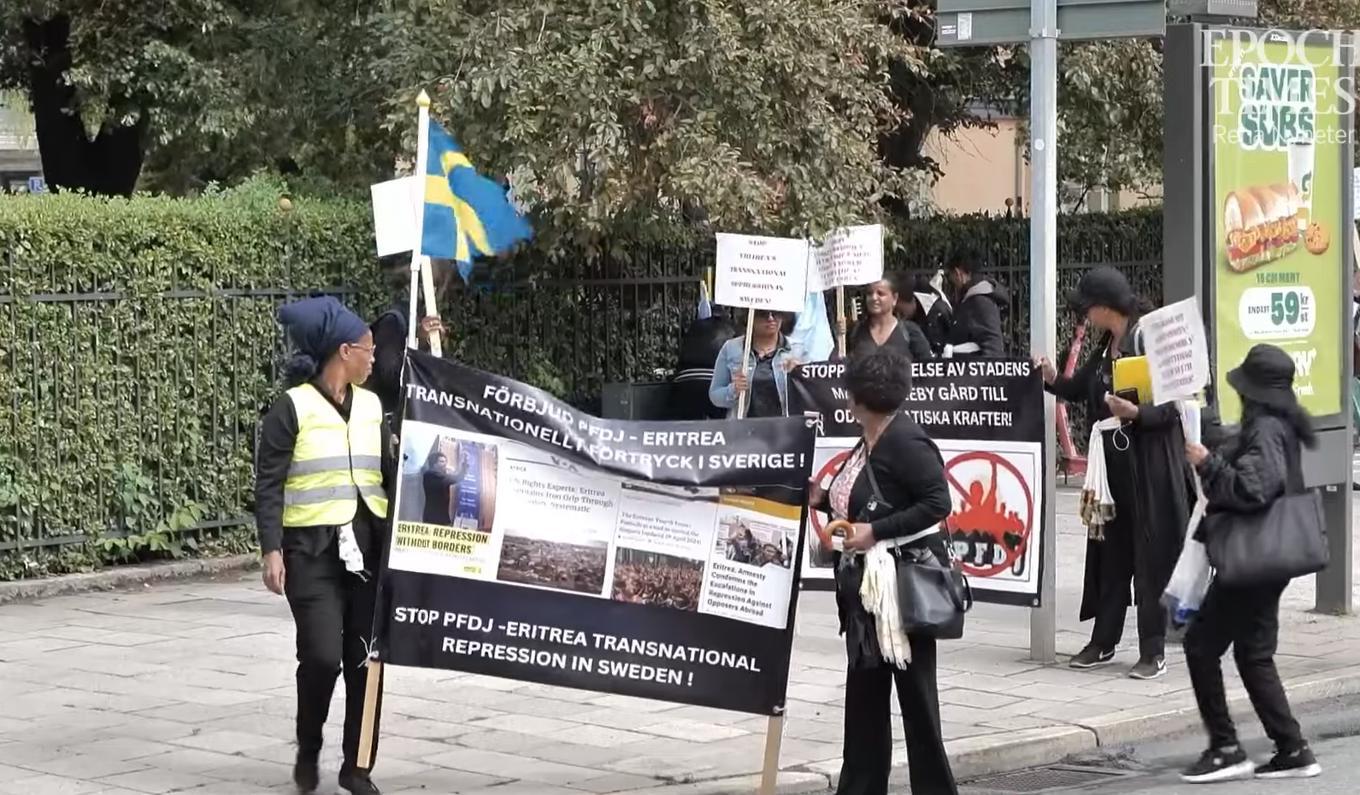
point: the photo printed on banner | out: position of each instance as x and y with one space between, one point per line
533 542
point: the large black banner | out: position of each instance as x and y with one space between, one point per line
533 542
987 417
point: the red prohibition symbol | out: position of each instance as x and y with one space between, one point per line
989 535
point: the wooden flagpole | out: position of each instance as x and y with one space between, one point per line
422 153
420 264
840 320
743 398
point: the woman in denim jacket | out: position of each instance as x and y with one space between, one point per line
772 357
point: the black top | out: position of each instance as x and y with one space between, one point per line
977 318
1254 468
273 455
1095 379
765 401
910 475
906 339
437 495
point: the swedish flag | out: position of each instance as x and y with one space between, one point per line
466 214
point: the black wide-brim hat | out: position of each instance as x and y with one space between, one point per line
1266 376
1103 286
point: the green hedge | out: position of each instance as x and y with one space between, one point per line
137 345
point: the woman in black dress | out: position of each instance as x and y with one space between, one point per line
1148 478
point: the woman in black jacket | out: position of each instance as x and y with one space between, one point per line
906 508
1148 478
1246 475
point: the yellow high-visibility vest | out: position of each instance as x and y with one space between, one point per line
334 462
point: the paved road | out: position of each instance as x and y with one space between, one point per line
1154 765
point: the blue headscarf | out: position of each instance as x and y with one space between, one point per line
318 327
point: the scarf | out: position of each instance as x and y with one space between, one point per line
1097 503
878 592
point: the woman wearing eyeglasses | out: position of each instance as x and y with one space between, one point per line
765 378
321 512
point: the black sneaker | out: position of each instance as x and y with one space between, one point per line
1226 764
305 774
1150 668
1299 764
358 783
1091 657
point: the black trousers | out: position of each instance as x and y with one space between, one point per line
333 612
1249 620
867 755
1118 558
1116 578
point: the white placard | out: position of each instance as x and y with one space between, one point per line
762 272
850 256
395 204
1177 351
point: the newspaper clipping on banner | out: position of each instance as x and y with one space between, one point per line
533 542
986 416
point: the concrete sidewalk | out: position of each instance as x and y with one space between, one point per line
187 687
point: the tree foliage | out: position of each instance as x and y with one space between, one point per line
666 118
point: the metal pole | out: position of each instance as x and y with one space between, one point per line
1043 291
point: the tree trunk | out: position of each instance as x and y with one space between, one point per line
111 163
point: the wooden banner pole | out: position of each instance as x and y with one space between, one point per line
840 320
366 733
431 302
769 771
742 399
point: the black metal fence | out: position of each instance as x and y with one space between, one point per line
126 413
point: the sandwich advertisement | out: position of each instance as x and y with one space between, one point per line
1281 117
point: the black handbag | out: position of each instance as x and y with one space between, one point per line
1286 540
933 596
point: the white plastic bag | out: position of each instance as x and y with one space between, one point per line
1191 578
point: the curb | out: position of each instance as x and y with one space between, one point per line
123 577
1000 752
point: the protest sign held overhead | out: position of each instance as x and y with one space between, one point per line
533 542
849 257
986 416
757 272
1177 351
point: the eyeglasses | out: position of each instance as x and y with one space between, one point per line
369 349
768 315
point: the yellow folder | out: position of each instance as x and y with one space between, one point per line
1131 372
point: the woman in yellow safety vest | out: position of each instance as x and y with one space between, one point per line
321 511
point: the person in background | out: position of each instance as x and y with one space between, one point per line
699 347
881 329
771 359
440 482
893 490
978 307
1246 475
1148 479
389 337
926 305
321 512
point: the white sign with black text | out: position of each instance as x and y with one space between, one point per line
1177 351
851 256
758 272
